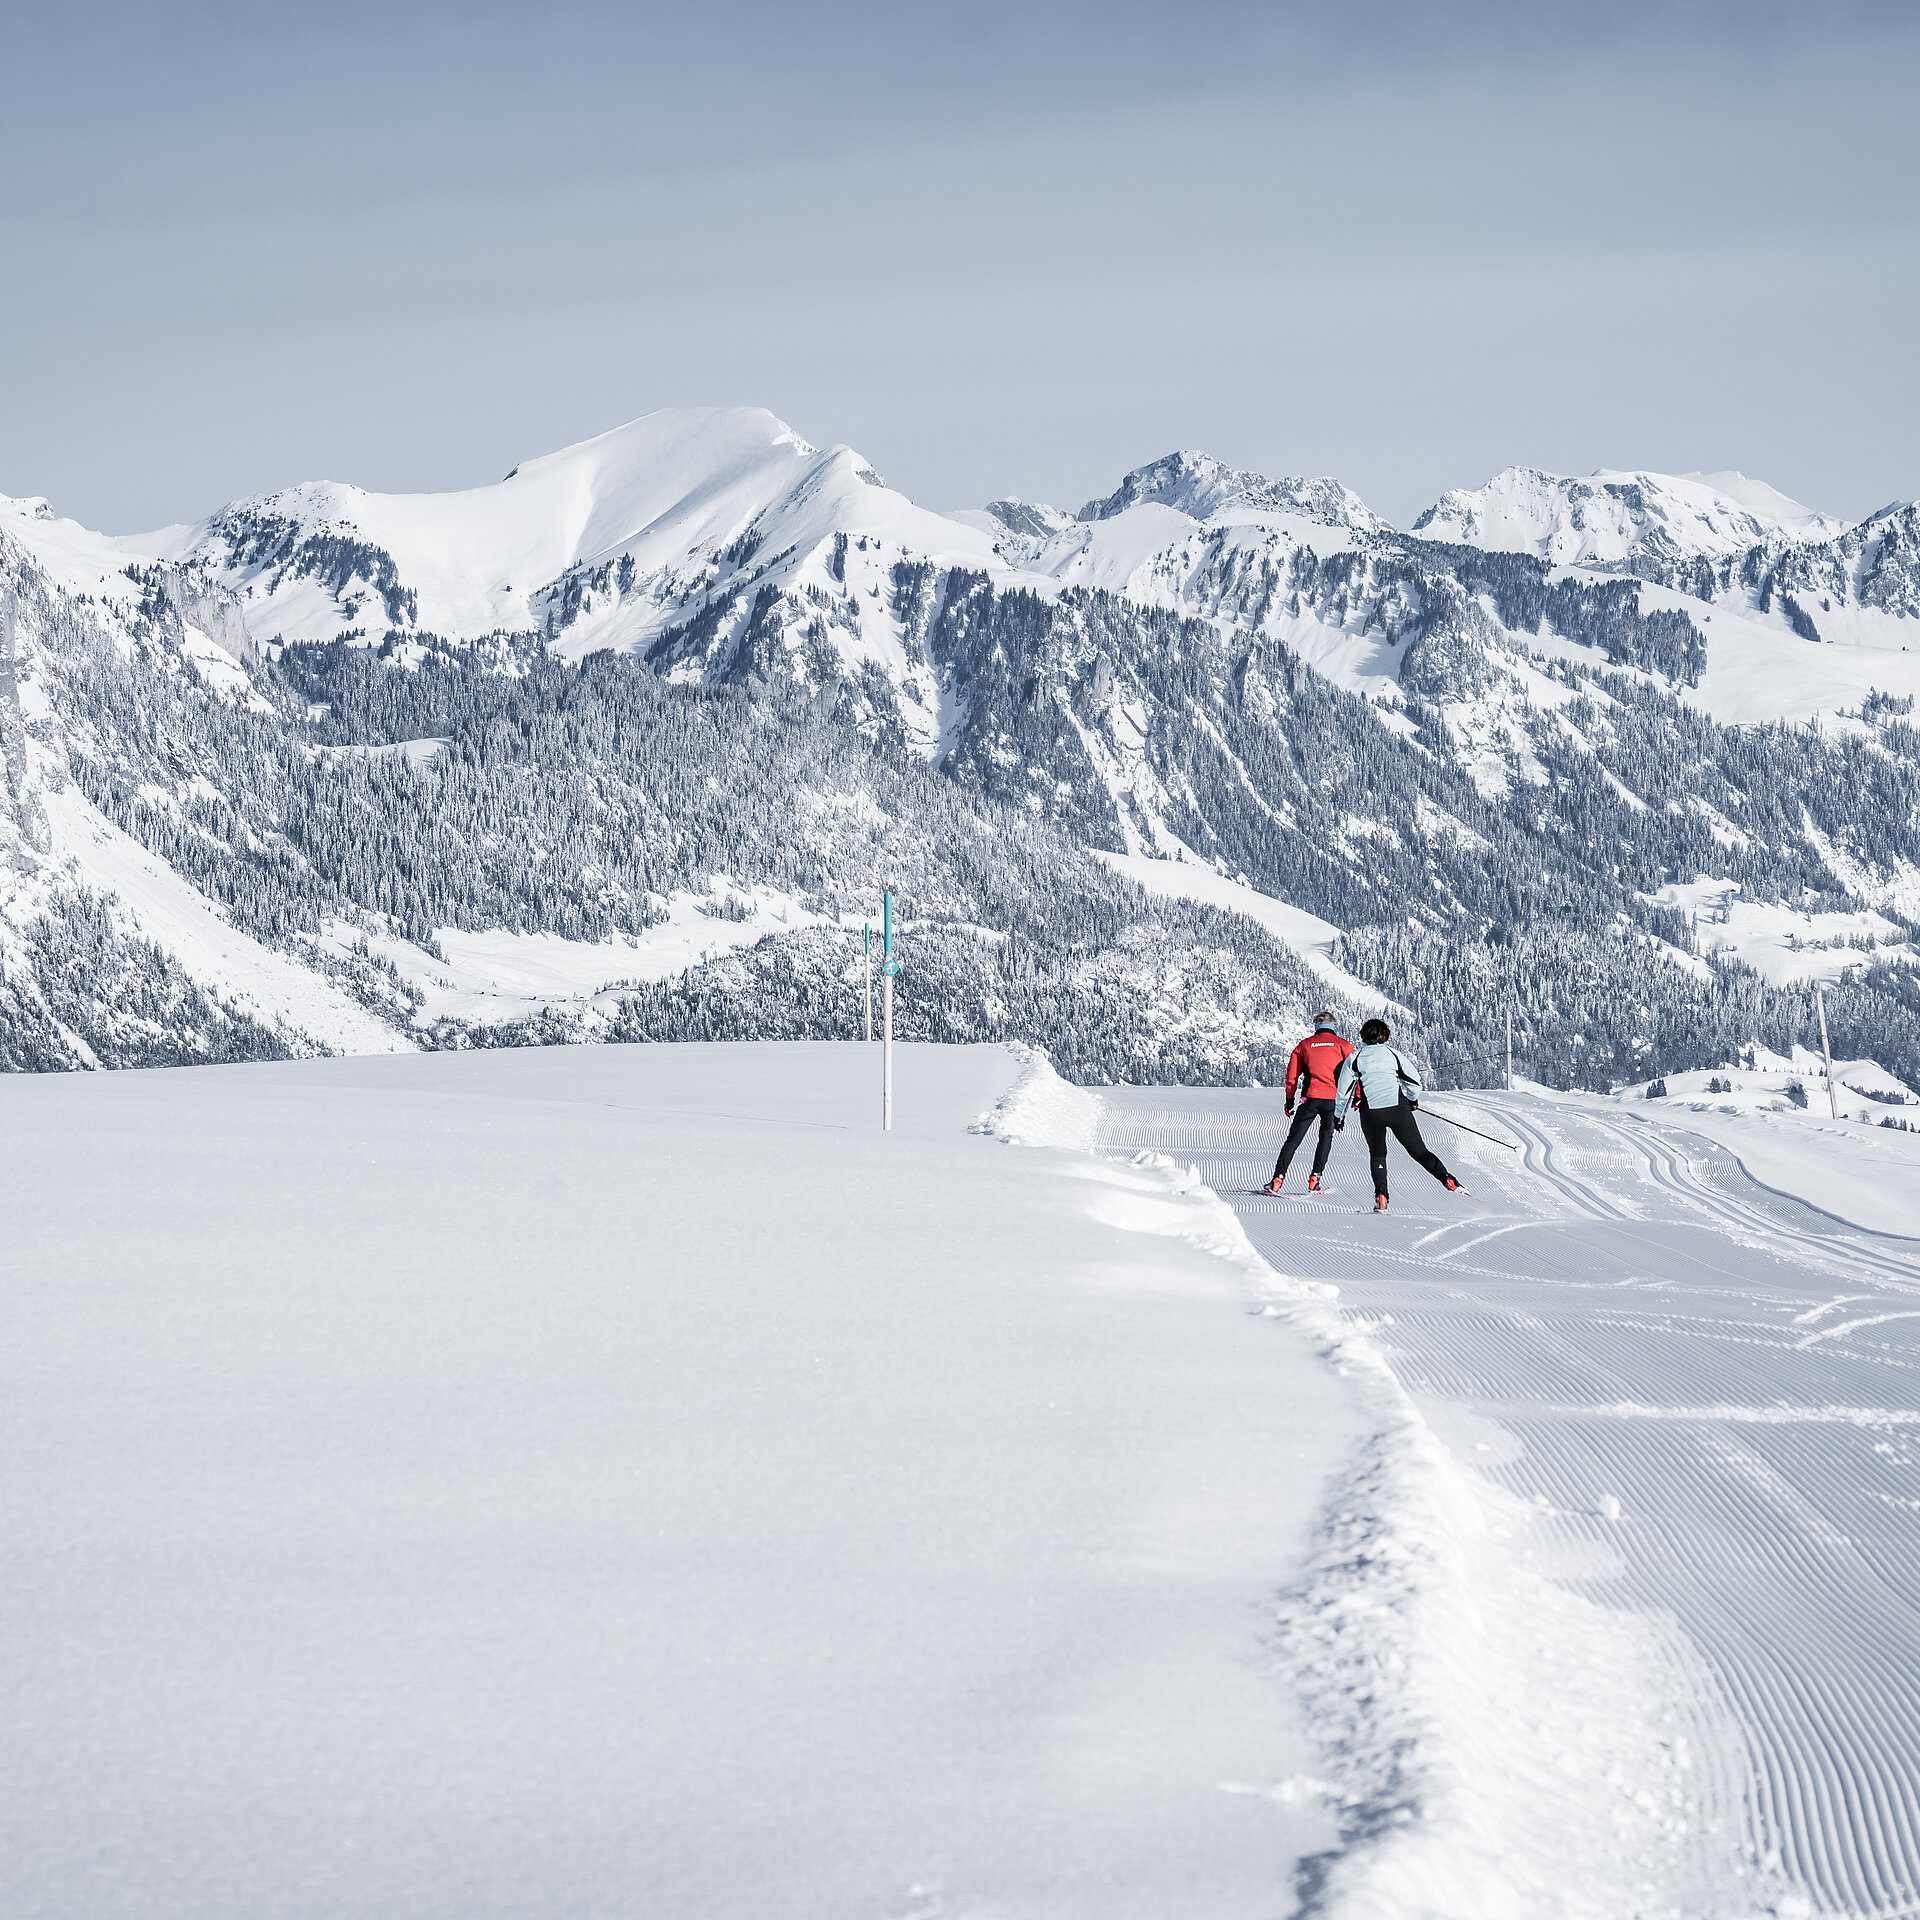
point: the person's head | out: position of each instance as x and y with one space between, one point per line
1324 1019
1376 1033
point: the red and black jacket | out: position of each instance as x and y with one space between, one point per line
1315 1065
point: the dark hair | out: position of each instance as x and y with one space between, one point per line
1376 1033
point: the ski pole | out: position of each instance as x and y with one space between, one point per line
1464 1128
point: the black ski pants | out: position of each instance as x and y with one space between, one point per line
1399 1121
1307 1113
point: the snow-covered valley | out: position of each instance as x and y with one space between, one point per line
624 1479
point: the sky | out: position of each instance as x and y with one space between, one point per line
997 248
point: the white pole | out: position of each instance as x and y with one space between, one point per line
1833 1093
1509 1046
889 966
869 963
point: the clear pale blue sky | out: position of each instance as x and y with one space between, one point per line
998 248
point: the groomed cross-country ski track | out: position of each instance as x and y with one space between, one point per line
1703 1399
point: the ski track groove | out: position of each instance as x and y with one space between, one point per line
1768 1476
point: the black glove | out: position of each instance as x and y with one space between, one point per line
1289 1109
1339 1125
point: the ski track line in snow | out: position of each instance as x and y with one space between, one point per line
1672 1166
1709 1456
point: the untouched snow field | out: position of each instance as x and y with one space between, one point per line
498 976
1660 1660
622 1481
1783 944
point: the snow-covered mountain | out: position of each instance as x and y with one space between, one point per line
683 515
211 849
1729 541
1657 520
1764 561
426 751
1200 487
109 952
1161 535
723 546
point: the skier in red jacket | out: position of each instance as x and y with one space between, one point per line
1312 1070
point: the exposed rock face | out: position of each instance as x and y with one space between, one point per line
197 602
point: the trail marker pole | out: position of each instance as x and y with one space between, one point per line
1509 1044
867 958
1820 1001
889 966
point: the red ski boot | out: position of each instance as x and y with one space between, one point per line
1274 1185
1379 1203
1313 1183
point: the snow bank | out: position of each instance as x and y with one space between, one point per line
1042 1110
1493 1742
1454 1690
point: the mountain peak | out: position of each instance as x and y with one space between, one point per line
1612 516
1200 486
608 541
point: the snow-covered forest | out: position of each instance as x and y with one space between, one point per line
335 771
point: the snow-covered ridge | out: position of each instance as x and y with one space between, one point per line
1203 488
1019 529
720 536
1767 503
1610 517
1857 588
601 544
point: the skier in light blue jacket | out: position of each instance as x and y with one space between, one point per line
1387 1087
